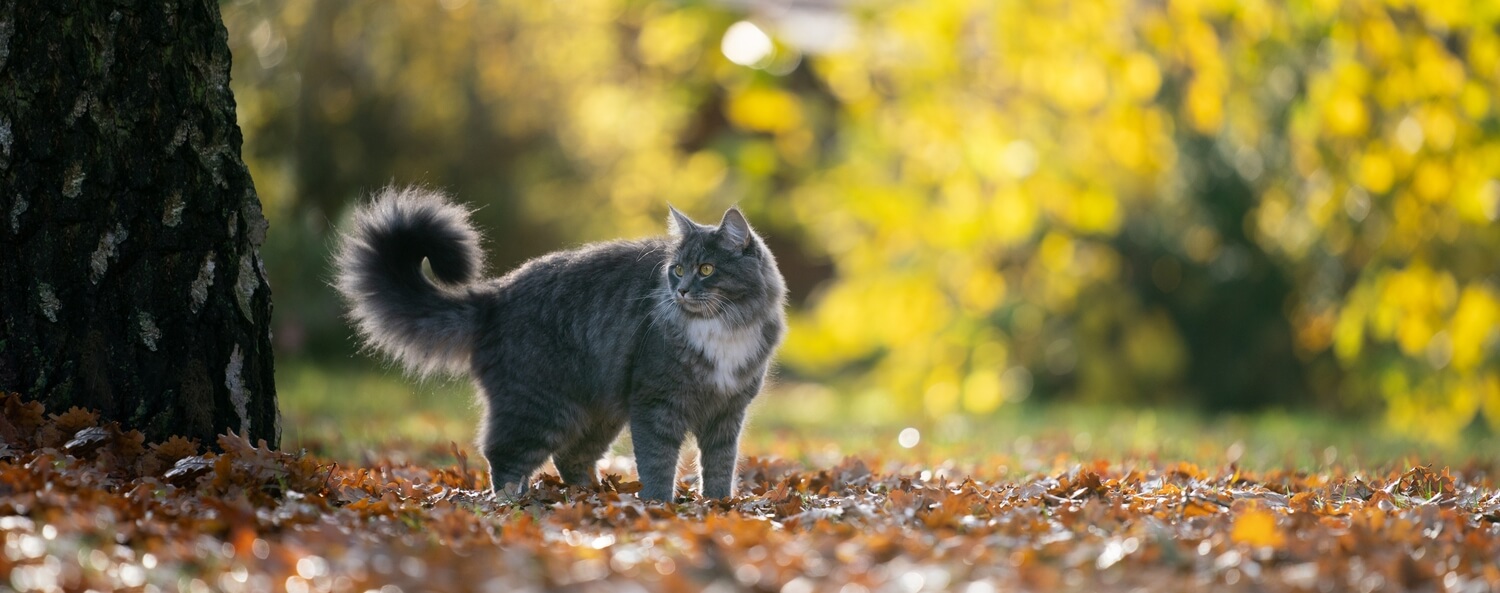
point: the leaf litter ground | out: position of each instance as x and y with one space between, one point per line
84 505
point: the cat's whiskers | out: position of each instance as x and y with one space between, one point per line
717 303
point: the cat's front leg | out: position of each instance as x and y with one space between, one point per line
719 442
657 439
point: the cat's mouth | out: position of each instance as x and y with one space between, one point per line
696 305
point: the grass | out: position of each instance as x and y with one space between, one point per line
353 412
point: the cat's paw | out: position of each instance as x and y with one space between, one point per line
660 495
509 492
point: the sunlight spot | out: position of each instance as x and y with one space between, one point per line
1016 383
1113 552
912 581
311 567
1019 159
909 438
745 44
799 585
747 574
1357 204
1235 451
33 547
132 575
666 566
1409 135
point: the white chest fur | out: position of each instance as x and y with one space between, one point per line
728 349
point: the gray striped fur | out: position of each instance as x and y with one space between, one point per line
571 347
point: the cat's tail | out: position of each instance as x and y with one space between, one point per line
427 327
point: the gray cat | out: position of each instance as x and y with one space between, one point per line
672 335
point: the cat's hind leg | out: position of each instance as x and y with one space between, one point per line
577 461
516 441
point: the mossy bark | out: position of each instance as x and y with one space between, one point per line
130 272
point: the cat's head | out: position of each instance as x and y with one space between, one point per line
722 271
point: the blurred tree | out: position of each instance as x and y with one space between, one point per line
1228 204
131 281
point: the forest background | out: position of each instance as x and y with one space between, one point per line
986 211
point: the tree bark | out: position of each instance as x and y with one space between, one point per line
130 272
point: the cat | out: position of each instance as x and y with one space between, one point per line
671 335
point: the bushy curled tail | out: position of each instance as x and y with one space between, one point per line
427 327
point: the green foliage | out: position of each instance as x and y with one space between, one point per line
1237 204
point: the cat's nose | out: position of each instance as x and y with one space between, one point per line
682 292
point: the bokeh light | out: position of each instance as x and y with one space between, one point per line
1213 205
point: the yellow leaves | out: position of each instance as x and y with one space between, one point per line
1439 74
1411 304
941 398
1488 388
672 40
1256 527
1475 101
1345 114
1141 77
1486 202
1205 105
1014 216
1096 211
968 171
1419 409
1380 37
764 109
855 317
1439 127
1432 181
983 392
1376 171
1056 252
847 77
1078 85
981 290
1474 324
1349 332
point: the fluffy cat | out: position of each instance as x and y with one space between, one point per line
670 335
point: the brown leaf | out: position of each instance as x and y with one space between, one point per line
75 419
26 416
86 441
188 469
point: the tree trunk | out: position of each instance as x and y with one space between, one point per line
130 273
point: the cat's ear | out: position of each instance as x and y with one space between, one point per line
734 230
678 224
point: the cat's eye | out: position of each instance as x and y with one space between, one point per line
677 271
706 269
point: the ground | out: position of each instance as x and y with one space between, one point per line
88 506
